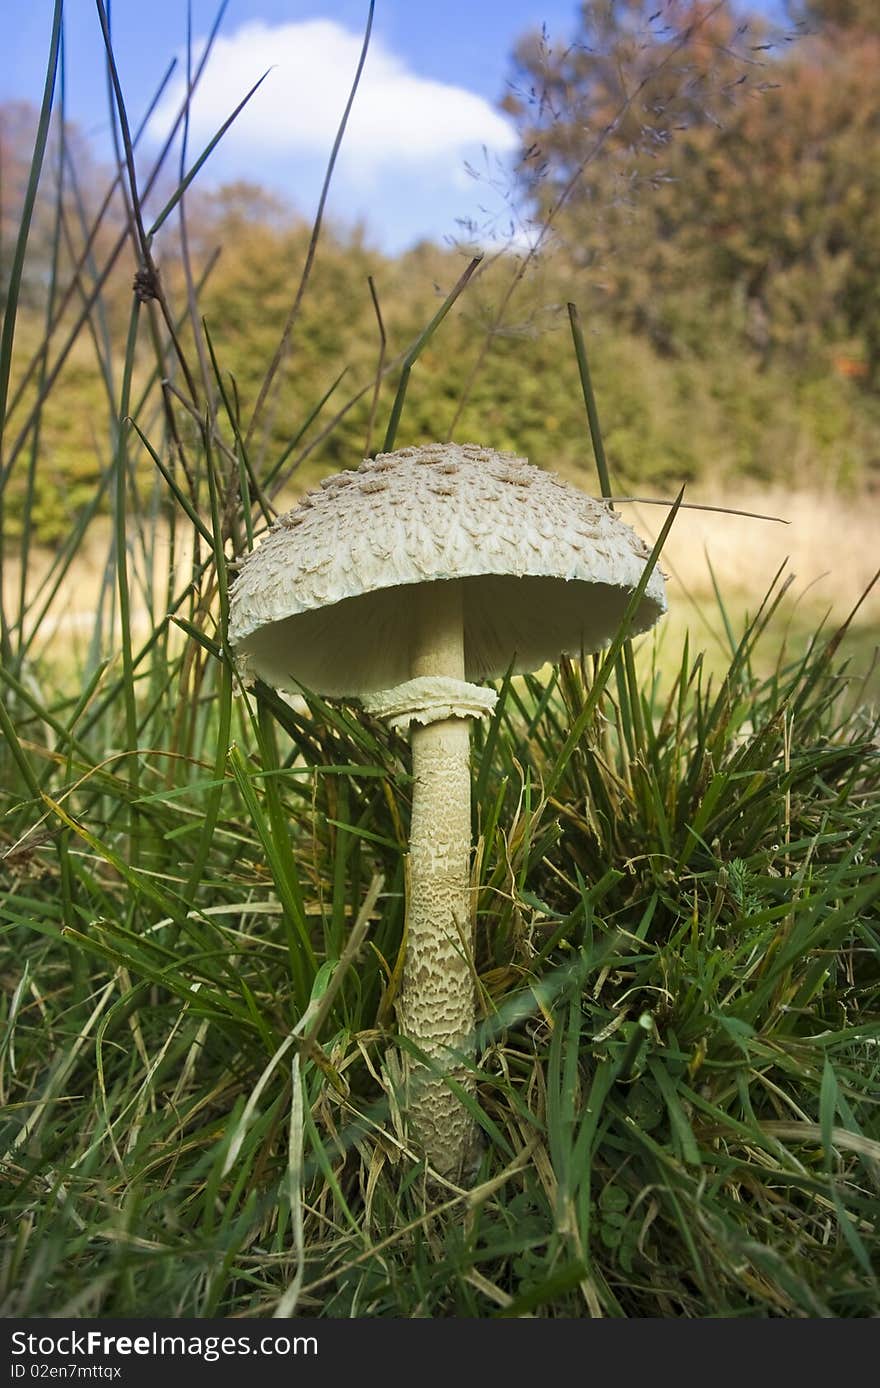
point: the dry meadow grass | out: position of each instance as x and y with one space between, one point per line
830 550
830 545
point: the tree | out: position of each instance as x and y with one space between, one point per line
722 189
860 15
635 73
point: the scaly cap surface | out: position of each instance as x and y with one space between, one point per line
327 599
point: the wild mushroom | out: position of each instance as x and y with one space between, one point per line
401 584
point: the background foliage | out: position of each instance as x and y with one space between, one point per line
721 237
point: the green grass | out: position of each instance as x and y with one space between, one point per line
202 909
677 951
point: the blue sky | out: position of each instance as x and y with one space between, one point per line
427 102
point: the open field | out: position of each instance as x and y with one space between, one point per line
830 551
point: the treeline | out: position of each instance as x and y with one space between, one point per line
727 174
706 191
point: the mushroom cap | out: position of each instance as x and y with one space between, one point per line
327 600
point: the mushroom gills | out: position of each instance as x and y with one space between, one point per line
354 646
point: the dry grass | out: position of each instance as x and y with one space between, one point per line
830 544
829 549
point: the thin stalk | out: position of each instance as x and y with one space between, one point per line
148 286
580 350
383 343
84 259
121 549
417 348
627 684
249 485
113 256
612 656
187 178
31 478
13 287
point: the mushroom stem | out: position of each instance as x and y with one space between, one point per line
436 1006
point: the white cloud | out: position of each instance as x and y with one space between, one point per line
397 115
